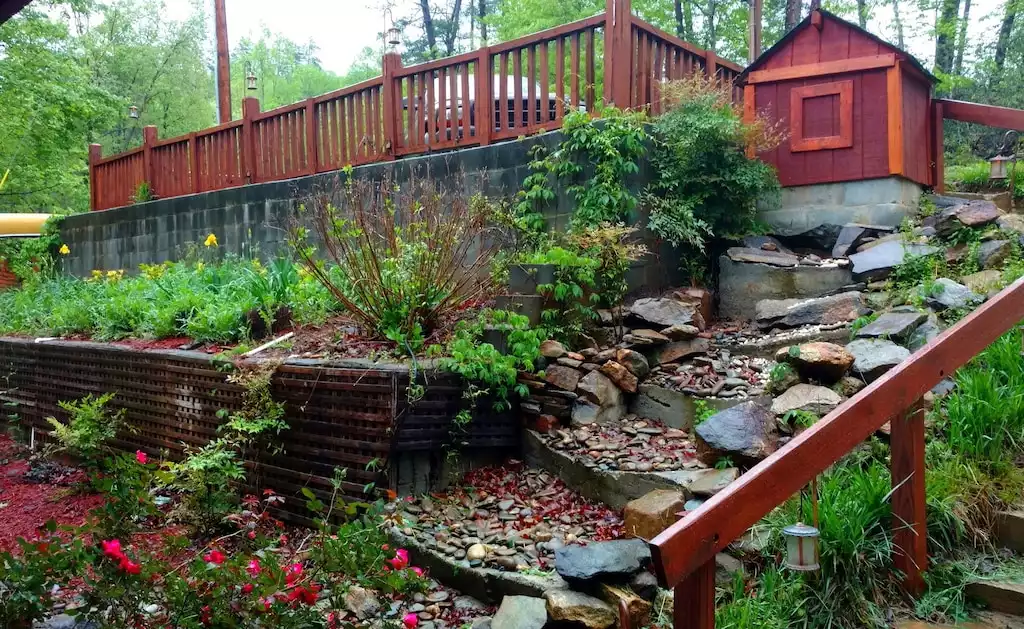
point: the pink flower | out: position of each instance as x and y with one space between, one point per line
112 548
247 588
130 566
215 557
410 621
293 572
140 456
418 571
252 535
254 568
266 603
401 559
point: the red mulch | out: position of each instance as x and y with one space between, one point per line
25 506
169 343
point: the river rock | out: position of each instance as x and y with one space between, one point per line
760 256
847 240
520 612
818 360
362 602
681 332
619 375
1011 223
945 293
874 357
565 378
983 282
652 513
792 313
552 349
897 326
613 562
745 431
877 262
807 397
579 609
993 254
662 311
977 214
634 361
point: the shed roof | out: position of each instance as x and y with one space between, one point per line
826 15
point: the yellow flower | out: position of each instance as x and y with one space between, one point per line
64 250
200 266
115 275
97 274
211 241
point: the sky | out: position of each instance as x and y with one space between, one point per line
342 28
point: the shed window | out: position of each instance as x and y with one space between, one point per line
821 116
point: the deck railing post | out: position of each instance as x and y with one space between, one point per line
711 64
618 52
910 534
484 108
939 146
250 108
312 152
149 137
95 154
193 158
392 97
694 599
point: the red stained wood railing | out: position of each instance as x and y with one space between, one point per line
498 92
684 554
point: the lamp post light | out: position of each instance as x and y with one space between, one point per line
250 77
133 112
998 167
392 34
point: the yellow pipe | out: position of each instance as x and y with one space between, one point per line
22 225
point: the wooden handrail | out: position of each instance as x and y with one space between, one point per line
552 33
990 115
688 47
688 547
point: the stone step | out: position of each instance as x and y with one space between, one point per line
1006 598
1009 530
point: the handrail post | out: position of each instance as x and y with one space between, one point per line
710 64
392 104
939 146
193 158
694 599
95 154
149 137
910 534
484 107
618 52
312 152
250 107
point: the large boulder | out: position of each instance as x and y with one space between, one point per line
565 378
807 397
652 513
947 294
818 360
1011 223
634 361
663 312
792 313
741 285
619 375
897 326
877 262
520 612
597 388
744 432
964 214
847 240
874 357
579 609
611 562
993 254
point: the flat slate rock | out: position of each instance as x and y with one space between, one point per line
847 240
874 357
760 256
924 333
521 612
614 561
745 431
896 326
662 311
807 397
766 243
878 261
992 254
792 313
947 294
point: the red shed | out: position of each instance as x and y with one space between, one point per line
852 105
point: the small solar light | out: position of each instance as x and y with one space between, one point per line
250 78
133 112
802 547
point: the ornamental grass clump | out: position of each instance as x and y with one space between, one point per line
408 256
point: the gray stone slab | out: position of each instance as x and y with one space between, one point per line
877 262
897 326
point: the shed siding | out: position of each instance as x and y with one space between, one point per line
866 159
916 98
835 41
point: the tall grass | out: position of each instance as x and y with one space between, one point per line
973 177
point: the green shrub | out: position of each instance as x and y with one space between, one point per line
705 186
91 425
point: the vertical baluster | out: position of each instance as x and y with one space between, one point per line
517 87
910 534
545 80
694 600
464 101
452 120
591 75
503 123
560 79
440 115
574 90
531 92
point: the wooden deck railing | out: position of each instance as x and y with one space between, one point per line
495 93
684 554
964 111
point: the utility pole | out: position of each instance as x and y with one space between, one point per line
754 49
223 62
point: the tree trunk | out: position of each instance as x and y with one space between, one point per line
428 28
899 24
453 29
793 10
688 20
862 13
958 65
711 34
481 14
1005 30
679 19
946 35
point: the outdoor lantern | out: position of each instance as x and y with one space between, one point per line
998 166
250 78
801 547
133 111
393 34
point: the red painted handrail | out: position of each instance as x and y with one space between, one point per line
500 92
684 554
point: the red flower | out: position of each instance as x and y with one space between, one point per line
130 566
215 557
418 571
266 603
140 456
252 535
112 548
293 572
204 616
247 588
410 621
401 559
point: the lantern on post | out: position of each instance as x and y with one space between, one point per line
802 547
998 167
392 34
250 77
133 112
1002 165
